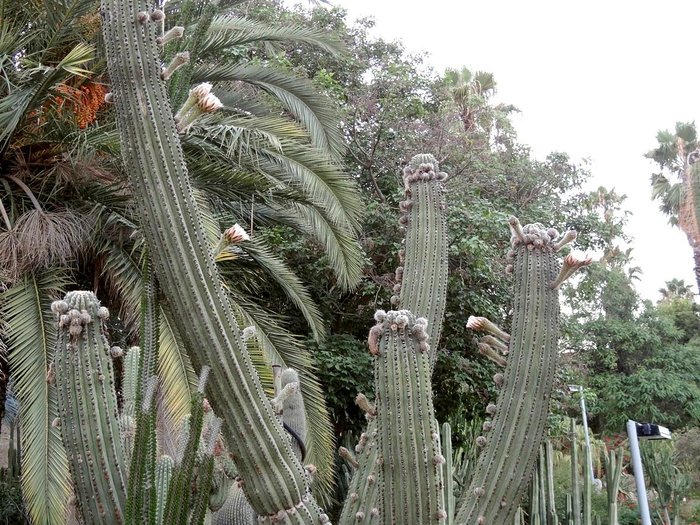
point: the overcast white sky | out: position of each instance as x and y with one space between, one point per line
595 79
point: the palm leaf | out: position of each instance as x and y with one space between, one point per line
30 330
178 380
15 107
60 18
228 30
286 279
297 95
342 250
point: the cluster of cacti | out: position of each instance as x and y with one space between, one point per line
98 438
579 509
400 471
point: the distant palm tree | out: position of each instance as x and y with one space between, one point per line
676 288
269 157
675 185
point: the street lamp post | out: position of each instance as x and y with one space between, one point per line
635 432
584 416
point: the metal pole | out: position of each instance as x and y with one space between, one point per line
585 433
638 473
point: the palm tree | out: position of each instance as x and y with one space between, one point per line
675 185
676 289
270 157
472 93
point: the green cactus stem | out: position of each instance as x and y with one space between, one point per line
164 473
613 473
447 475
88 409
410 462
510 452
423 271
293 413
236 510
421 288
127 417
275 481
552 518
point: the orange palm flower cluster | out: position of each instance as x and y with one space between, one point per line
84 102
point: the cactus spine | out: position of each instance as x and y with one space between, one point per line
186 270
519 418
88 409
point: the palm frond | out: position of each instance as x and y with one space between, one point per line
29 327
61 17
341 246
297 95
308 171
290 284
18 104
178 380
283 348
229 30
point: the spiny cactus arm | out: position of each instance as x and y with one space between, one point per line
275 481
410 462
88 409
552 516
141 495
164 474
236 510
504 466
141 499
360 506
422 276
447 475
294 414
613 473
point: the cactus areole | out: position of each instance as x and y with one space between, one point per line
274 481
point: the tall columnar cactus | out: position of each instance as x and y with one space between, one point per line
276 484
421 287
88 409
519 417
613 473
422 274
409 462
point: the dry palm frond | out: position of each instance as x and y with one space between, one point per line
12 266
47 238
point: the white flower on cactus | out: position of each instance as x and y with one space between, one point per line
236 234
210 103
201 90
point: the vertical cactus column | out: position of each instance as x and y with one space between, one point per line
410 461
613 473
421 287
422 274
88 409
519 417
275 482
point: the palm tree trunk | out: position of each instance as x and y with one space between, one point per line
696 258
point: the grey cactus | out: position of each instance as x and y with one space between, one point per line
520 414
272 478
88 414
